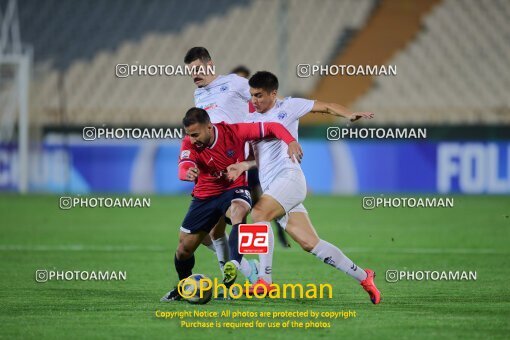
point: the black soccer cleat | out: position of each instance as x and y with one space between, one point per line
172 295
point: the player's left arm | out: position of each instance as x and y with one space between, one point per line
237 169
265 130
338 110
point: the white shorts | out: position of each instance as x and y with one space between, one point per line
289 189
285 218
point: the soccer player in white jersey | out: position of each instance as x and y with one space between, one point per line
226 99
284 185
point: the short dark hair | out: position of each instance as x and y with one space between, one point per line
264 80
195 115
241 69
197 53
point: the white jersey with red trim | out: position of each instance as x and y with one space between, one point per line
271 155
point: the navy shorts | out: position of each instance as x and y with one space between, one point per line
203 214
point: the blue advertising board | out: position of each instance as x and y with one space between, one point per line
331 167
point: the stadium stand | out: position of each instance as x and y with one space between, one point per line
441 78
74 71
455 71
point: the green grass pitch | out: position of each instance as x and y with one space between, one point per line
36 234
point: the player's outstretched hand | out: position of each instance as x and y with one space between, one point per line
358 115
192 174
236 170
295 152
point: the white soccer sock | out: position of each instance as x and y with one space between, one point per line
245 267
333 256
266 260
211 247
221 245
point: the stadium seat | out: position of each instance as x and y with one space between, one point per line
458 80
101 34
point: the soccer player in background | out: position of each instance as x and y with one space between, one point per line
284 185
241 71
206 152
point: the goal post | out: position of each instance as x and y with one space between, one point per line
15 66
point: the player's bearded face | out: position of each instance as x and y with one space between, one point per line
199 74
262 100
200 134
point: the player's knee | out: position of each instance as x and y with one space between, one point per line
207 241
259 215
217 234
183 252
239 212
218 231
307 245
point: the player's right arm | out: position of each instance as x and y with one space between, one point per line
187 168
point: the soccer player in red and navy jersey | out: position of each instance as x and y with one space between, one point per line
226 98
206 153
